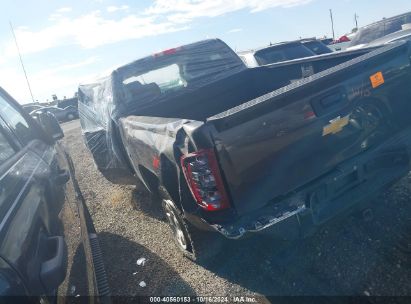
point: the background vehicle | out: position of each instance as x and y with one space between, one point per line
48 245
399 35
66 114
31 108
278 52
367 34
287 146
68 102
316 46
326 41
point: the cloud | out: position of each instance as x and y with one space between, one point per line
64 10
89 31
52 17
113 8
59 13
187 10
163 16
236 30
71 66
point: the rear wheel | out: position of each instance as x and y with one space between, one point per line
199 246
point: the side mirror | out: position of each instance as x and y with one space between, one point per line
48 123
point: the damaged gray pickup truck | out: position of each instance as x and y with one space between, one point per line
231 150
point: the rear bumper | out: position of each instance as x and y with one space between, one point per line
340 191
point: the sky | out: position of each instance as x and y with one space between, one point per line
64 43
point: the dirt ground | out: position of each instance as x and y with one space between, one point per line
355 257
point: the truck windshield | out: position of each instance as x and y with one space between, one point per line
282 52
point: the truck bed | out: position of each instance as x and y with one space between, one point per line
280 142
237 89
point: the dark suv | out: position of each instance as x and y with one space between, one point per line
48 245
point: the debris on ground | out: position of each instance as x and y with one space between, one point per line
72 290
141 261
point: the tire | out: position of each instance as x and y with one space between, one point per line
199 246
70 116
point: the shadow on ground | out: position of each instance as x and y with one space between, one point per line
147 203
156 273
351 257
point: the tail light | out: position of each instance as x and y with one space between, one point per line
204 180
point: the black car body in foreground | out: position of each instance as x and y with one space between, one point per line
48 245
280 148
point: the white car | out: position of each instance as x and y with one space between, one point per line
275 53
383 32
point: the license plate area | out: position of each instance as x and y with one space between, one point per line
356 182
327 200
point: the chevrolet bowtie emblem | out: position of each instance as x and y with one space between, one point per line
336 125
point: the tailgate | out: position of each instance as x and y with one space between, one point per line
279 142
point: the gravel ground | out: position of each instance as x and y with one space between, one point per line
353 257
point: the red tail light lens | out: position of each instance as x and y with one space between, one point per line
204 180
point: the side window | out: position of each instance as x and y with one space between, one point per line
16 121
6 151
